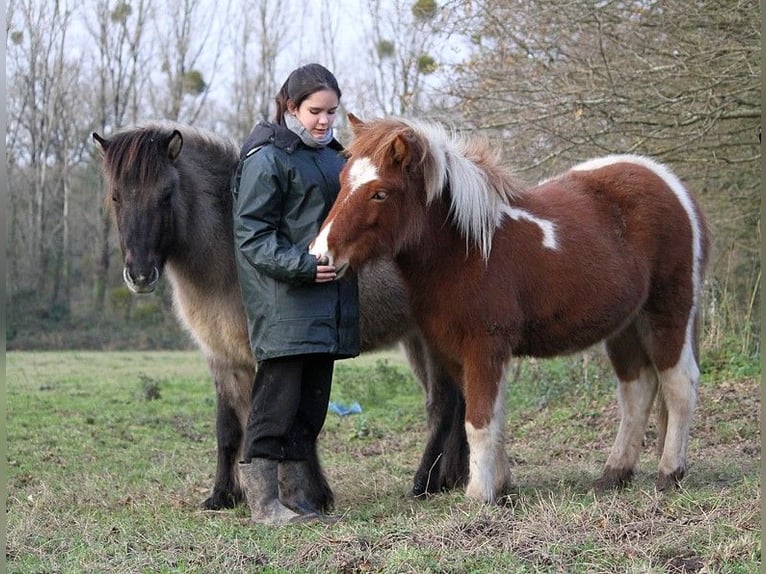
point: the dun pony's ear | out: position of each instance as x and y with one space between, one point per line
101 143
175 143
356 123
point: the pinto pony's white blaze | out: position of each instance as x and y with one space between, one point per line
360 172
319 246
611 251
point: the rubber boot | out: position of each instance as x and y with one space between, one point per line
259 479
294 483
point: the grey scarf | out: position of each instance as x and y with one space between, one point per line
295 126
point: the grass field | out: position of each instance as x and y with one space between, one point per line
110 455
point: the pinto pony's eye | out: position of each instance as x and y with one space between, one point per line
380 196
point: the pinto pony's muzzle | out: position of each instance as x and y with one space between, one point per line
324 254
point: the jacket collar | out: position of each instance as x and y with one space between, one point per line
267 132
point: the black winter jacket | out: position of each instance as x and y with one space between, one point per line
283 190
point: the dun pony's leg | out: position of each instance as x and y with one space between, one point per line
455 457
304 482
444 463
490 473
226 490
678 386
233 388
636 390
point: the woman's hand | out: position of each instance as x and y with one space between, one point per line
325 273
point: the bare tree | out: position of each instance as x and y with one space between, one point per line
402 39
190 41
42 83
262 35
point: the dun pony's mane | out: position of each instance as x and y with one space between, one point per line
480 188
136 154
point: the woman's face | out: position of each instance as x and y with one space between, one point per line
317 112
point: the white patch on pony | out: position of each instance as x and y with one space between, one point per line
361 172
684 199
635 398
678 386
547 227
489 470
481 465
319 245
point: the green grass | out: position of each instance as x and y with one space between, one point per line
110 454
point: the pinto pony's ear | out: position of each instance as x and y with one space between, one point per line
355 122
400 150
175 142
101 143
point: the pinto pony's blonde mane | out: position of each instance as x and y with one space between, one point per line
480 188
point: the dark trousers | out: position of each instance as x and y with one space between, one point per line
289 406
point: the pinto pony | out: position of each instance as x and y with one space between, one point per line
168 190
612 250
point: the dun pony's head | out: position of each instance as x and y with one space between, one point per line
384 191
142 180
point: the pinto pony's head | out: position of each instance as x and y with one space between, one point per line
396 170
142 183
383 193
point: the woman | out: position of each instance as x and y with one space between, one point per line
300 317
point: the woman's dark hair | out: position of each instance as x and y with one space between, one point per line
300 84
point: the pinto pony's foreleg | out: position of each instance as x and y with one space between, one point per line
490 472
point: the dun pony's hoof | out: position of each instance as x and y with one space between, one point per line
220 500
672 480
427 485
613 478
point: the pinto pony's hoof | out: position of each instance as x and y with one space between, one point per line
672 480
613 479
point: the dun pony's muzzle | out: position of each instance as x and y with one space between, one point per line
142 283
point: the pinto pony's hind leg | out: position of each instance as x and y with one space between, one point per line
637 387
678 386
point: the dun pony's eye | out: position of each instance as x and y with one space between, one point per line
115 197
380 196
167 194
